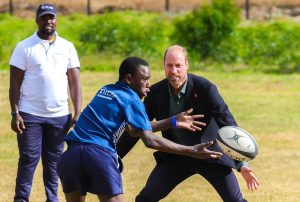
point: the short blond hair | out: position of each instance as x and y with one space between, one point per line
184 51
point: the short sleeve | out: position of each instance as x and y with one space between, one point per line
136 116
74 60
18 58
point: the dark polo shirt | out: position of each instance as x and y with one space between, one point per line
177 103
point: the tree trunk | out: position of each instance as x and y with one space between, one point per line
11 7
247 9
89 10
167 5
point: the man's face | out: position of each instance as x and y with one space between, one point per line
140 81
47 24
176 67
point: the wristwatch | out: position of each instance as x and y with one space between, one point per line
14 113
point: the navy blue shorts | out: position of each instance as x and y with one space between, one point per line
89 168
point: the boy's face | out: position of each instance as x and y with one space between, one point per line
140 81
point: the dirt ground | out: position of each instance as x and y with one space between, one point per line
259 9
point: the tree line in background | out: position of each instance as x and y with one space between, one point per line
217 36
213 35
166 7
11 7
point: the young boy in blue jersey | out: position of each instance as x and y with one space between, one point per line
90 164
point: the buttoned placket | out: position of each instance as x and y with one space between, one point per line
46 44
176 98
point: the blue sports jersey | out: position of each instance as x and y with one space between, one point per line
105 117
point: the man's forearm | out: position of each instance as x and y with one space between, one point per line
158 143
16 78
75 90
14 96
199 151
161 124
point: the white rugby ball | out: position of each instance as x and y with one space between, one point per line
237 143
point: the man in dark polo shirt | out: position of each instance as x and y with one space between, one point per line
178 92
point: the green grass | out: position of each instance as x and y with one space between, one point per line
267 106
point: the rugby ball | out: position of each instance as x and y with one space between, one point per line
237 143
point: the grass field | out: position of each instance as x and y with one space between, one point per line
267 106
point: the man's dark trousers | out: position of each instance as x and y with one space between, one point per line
172 171
42 137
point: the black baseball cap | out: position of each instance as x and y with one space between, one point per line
46 9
